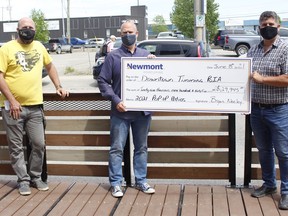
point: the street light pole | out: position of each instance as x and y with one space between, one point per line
199 20
68 21
63 24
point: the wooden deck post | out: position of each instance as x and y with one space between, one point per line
232 150
248 152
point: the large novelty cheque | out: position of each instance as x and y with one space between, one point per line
187 84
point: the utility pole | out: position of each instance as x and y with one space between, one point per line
63 24
197 17
200 8
68 21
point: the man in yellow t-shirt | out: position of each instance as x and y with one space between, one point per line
21 63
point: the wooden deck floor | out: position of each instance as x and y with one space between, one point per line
79 198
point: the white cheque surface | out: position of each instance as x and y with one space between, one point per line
187 84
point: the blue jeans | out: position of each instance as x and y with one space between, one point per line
119 130
31 121
270 128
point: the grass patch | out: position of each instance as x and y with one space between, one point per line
69 70
72 71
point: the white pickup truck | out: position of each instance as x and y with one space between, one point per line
242 43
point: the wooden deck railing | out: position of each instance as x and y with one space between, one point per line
180 145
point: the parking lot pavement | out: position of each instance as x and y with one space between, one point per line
72 84
80 62
75 71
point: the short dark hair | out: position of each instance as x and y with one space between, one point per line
269 14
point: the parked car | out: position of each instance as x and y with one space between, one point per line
219 39
58 45
242 43
94 42
173 47
77 41
173 35
166 35
161 48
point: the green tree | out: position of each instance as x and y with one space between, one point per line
159 24
42 33
182 16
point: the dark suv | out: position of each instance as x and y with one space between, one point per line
162 48
219 39
58 45
173 47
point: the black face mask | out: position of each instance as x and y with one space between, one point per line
268 32
129 39
26 35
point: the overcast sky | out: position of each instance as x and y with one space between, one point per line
240 9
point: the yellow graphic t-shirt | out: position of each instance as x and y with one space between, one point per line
22 66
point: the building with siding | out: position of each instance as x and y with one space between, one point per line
86 27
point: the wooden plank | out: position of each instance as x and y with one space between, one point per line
188 172
268 205
141 204
77 113
31 202
188 114
77 140
256 173
48 203
251 203
188 157
3 138
126 202
82 198
7 187
107 205
255 158
75 96
18 203
156 125
208 125
4 155
78 125
188 141
68 199
171 204
204 201
78 155
3 183
220 204
6 169
78 170
189 204
236 206
13 194
95 200
157 201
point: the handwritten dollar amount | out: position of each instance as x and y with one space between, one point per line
227 89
